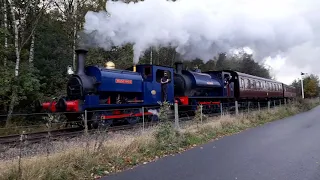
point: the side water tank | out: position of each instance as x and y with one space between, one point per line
113 80
188 83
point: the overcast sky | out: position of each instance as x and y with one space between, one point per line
286 30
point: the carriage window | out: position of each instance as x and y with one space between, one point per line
266 86
242 84
248 84
253 84
160 73
259 85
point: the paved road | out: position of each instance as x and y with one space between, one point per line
287 149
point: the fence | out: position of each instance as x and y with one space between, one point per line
52 135
46 125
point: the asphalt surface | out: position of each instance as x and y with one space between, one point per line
287 149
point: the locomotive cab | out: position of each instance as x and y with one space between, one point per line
151 75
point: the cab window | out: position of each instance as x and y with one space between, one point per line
160 74
147 71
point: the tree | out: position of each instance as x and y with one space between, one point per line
310 86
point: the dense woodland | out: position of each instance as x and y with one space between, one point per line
37 42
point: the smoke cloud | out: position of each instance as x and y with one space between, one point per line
203 28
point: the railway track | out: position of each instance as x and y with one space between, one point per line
36 137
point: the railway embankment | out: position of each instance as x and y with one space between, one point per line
90 157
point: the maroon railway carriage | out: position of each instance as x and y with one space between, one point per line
289 92
256 88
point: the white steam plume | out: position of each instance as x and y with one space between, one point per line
203 28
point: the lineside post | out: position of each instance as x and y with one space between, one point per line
142 119
221 109
201 113
176 115
236 106
268 105
285 102
274 103
280 102
248 106
22 138
259 105
85 122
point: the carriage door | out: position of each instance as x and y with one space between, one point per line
228 85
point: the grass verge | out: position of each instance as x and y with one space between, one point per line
101 157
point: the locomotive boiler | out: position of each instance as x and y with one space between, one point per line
191 84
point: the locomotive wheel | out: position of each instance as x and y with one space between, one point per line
133 120
97 122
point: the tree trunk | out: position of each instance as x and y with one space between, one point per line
74 32
5 20
31 55
16 69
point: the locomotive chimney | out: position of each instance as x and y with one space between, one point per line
179 67
81 58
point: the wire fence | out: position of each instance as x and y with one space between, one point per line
51 134
38 124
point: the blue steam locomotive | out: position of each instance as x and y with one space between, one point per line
110 95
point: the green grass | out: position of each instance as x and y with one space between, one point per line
126 151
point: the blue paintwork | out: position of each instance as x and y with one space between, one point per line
141 85
201 79
155 85
107 78
144 82
217 76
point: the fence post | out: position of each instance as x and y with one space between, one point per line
201 113
85 122
285 102
248 106
142 119
268 105
20 154
280 102
176 115
237 107
221 109
259 105
49 136
274 103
